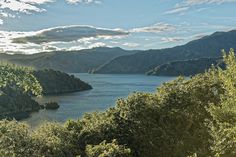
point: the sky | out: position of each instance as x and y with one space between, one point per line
33 26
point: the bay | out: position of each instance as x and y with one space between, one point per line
107 88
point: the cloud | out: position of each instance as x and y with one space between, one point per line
83 1
23 6
9 8
79 37
58 38
70 33
187 4
156 28
131 44
199 2
171 39
177 10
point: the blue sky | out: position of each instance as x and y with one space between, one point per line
151 24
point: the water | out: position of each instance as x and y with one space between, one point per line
106 90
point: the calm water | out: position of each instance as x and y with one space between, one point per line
106 89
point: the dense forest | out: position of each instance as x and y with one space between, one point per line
184 118
57 82
18 86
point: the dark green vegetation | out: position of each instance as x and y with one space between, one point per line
56 82
187 67
51 106
185 117
144 61
19 84
68 61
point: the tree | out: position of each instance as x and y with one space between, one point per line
105 149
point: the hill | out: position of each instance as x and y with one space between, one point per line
68 61
186 67
141 62
56 82
19 84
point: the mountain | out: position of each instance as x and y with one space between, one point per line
186 67
68 61
142 62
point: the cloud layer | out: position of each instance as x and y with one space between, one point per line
187 4
79 37
83 1
9 8
69 33
156 28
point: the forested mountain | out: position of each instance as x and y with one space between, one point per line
141 62
186 67
68 61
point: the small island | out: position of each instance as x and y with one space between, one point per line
51 106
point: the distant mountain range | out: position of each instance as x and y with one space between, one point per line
144 61
186 67
105 60
80 61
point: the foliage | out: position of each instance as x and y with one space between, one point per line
223 128
56 82
15 139
54 140
19 78
105 149
17 85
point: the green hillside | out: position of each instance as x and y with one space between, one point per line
186 67
142 62
68 61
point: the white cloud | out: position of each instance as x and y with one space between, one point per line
38 2
187 4
72 33
177 10
24 6
83 37
31 6
131 44
171 39
156 28
198 2
83 1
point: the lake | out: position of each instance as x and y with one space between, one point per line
107 88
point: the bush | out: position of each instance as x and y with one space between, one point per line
105 149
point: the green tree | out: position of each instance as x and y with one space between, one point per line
105 149
223 126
